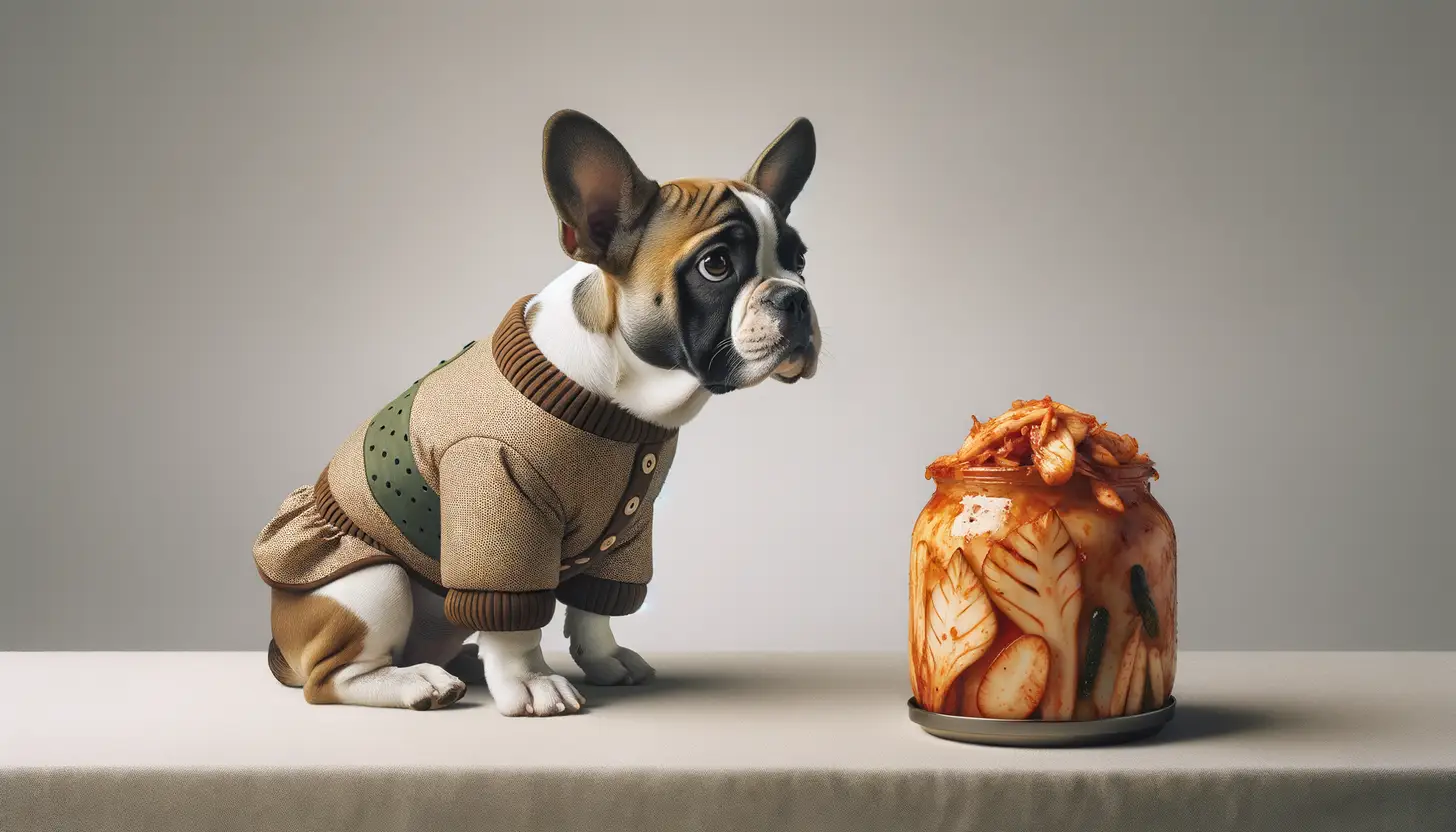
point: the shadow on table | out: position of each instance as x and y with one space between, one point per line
662 687
1197 721
666 687
467 703
468 668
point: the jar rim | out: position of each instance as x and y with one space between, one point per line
1028 475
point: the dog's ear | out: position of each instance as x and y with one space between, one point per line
785 165
599 194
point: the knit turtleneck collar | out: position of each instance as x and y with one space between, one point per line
528 370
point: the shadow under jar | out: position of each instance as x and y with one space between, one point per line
1033 601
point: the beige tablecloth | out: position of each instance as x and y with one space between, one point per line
160 741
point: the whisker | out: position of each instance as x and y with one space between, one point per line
727 342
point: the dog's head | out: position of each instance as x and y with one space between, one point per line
703 275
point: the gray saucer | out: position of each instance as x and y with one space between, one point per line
1033 733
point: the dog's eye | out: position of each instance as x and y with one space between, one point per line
715 265
800 263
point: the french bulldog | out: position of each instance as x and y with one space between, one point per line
520 473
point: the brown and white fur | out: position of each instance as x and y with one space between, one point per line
681 291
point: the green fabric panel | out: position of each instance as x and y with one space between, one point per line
394 478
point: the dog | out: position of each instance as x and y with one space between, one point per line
520 473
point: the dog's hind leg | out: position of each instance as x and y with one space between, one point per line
342 642
434 640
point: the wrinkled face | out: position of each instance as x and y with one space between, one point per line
717 288
700 275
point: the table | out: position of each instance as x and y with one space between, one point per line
159 741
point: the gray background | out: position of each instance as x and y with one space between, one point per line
1226 228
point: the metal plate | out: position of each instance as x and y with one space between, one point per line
1033 733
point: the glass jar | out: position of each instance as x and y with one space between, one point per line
1035 601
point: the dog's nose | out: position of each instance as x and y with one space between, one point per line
792 300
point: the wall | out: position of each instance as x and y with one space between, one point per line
1226 228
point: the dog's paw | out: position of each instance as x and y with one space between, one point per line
534 694
621 667
426 687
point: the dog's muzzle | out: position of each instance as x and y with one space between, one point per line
795 316
791 305
781 335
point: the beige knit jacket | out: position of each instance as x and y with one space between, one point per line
497 481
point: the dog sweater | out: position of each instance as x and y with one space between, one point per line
497 481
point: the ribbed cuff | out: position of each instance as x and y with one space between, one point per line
499 611
601 596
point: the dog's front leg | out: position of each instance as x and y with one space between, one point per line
520 681
597 653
